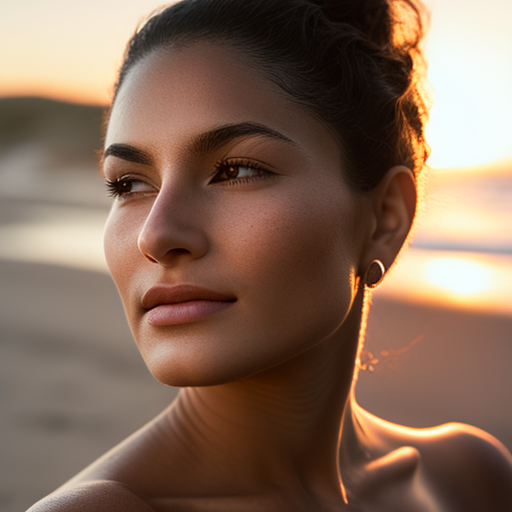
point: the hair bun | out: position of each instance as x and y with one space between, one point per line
372 17
381 21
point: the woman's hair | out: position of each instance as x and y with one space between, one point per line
355 65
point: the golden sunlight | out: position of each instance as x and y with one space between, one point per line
458 275
457 279
71 51
469 52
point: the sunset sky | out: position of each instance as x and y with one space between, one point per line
71 50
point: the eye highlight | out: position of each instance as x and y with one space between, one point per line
238 171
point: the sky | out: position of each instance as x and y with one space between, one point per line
71 50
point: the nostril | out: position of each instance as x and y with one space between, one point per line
164 257
150 258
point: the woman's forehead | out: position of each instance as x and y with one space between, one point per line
175 92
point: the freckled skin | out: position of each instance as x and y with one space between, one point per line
267 381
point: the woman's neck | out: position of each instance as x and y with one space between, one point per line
278 431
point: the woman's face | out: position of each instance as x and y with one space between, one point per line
224 184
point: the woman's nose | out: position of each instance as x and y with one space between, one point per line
172 230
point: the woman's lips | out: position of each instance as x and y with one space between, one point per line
184 312
182 304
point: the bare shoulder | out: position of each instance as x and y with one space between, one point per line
472 462
98 496
467 467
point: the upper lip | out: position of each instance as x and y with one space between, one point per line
164 294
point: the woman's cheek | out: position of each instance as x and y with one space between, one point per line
294 251
120 245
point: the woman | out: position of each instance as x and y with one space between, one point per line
264 158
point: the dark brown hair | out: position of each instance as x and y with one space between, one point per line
355 65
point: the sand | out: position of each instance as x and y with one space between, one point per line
73 383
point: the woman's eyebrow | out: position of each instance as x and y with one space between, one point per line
204 144
129 153
214 139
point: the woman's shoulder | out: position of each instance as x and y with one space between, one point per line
472 462
110 483
97 496
465 463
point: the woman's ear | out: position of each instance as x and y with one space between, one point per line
394 206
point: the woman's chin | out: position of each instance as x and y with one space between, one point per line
179 366
176 369
180 376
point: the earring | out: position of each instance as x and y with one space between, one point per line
374 274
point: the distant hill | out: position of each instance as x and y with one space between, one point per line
67 133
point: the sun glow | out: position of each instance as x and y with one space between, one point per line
458 279
458 275
469 50
71 51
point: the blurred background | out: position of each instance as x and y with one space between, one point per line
72 383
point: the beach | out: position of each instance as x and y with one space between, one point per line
438 346
74 385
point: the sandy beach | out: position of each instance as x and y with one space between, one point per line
73 383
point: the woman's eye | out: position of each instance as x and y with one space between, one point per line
127 186
238 171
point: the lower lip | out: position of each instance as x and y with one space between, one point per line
185 312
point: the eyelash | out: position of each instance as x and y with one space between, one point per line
225 165
117 188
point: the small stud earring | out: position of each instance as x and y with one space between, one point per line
374 274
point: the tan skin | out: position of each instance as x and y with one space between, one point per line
266 382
